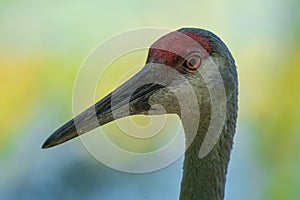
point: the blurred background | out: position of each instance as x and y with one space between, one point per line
43 44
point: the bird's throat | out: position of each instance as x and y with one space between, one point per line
204 178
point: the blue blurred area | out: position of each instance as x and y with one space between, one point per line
70 172
246 178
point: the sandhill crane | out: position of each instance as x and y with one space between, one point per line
180 58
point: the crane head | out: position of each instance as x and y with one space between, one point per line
179 69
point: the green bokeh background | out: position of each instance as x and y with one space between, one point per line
43 44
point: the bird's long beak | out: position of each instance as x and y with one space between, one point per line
128 99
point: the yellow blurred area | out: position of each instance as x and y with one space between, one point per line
279 129
25 84
143 134
18 86
120 70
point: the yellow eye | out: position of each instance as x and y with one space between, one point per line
193 62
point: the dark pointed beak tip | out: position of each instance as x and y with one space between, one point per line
52 141
47 144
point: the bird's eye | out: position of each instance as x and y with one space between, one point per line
192 62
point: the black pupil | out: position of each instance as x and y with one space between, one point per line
192 62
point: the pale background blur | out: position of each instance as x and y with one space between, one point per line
43 44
